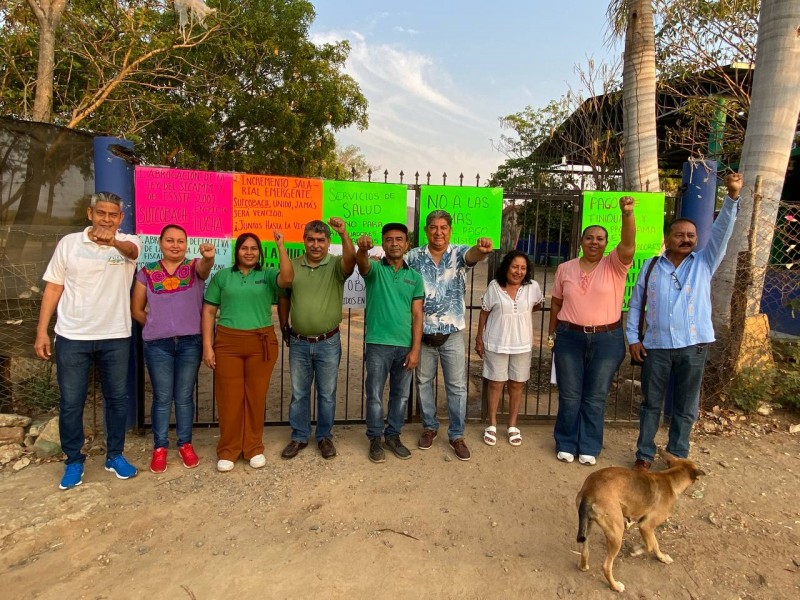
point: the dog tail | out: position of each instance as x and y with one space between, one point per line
583 519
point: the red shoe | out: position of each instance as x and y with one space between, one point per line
190 460
159 462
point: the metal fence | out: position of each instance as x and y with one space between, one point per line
47 172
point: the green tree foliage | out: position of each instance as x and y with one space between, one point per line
248 91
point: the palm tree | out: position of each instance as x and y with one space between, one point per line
771 126
639 138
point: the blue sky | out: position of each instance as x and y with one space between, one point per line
438 74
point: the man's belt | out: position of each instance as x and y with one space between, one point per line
593 328
316 338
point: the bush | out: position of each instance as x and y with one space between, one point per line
787 379
751 386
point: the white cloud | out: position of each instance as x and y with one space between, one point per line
418 115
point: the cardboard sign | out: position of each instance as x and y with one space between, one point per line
365 207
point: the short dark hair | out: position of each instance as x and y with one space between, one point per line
501 274
668 229
238 246
588 227
394 227
172 226
317 226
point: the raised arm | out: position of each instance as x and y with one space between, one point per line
206 262
362 256
722 229
627 243
479 251
348 249
285 268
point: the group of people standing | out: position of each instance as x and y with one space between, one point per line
414 320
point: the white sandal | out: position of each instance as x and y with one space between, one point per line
490 435
514 436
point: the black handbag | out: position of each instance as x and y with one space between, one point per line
639 363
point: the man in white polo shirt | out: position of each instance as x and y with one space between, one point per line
89 280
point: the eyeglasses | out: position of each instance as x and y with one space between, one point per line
676 282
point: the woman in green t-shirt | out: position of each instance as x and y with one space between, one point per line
243 348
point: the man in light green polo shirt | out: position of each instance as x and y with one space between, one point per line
315 307
394 335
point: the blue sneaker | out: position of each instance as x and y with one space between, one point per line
121 467
73 476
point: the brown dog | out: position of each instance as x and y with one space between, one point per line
612 495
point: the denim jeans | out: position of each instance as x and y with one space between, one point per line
687 366
585 367
384 361
74 359
313 363
173 364
453 357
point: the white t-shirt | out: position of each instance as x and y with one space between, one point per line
509 327
96 303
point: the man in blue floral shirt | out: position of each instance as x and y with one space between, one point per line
444 273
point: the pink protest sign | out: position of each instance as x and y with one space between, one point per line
198 201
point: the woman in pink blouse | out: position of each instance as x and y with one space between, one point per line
585 319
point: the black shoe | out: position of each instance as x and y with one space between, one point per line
327 448
376 453
394 444
292 449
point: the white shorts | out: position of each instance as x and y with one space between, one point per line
507 367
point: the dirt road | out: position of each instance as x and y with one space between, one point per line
502 524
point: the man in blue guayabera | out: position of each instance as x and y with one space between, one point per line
444 273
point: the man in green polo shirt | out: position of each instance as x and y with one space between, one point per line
394 335
315 307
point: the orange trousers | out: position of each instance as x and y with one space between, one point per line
245 360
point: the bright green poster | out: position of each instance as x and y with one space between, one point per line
365 207
602 208
477 211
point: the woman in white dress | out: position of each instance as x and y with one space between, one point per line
505 338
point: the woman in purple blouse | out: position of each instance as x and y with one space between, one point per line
173 348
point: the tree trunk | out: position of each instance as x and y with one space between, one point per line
771 125
640 148
48 13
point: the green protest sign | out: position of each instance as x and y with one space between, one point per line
271 257
365 207
602 208
477 211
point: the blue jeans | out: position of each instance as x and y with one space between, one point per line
687 366
585 367
313 363
74 359
173 364
384 361
453 357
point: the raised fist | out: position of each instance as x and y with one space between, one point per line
207 250
626 204
733 184
338 225
484 245
365 243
